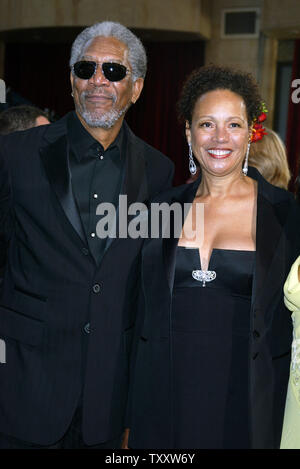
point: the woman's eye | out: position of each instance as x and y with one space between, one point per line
235 124
206 124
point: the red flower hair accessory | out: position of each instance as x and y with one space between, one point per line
258 131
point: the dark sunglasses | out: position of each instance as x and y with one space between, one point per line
112 71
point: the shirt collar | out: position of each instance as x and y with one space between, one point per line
81 141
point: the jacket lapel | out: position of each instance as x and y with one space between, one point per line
56 162
55 158
158 267
135 181
134 184
269 270
170 243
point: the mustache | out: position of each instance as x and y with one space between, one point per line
99 93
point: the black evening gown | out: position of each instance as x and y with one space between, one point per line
210 340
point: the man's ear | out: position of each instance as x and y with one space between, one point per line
72 80
137 89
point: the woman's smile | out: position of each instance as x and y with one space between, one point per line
219 153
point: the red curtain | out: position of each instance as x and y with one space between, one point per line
153 117
40 73
293 124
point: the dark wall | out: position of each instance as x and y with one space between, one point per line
40 73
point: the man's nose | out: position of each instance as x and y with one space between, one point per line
98 78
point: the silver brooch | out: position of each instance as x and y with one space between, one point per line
204 276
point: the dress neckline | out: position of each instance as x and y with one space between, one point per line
214 250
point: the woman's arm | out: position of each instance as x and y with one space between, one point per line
291 427
292 288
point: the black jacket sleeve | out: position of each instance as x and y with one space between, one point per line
5 204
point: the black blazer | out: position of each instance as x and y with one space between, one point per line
55 297
277 246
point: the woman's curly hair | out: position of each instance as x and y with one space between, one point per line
214 77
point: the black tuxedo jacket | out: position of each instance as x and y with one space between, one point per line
277 246
55 297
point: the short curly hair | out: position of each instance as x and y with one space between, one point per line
214 77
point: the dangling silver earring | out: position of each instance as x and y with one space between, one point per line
192 166
245 168
72 94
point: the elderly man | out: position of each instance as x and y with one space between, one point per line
67 309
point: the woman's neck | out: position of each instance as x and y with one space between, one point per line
223 186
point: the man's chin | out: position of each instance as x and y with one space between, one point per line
103 120
96 120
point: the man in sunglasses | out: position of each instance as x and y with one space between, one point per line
67 309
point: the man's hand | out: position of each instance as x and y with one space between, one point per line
124 444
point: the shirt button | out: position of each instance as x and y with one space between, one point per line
85 251
96 288
86 328
93 235
101 157
95 196
256 334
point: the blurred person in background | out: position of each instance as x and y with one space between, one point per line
291 426
21 118
268 155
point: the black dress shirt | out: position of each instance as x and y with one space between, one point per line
97 177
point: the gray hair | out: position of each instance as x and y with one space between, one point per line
137 54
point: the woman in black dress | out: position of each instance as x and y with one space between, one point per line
212 354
